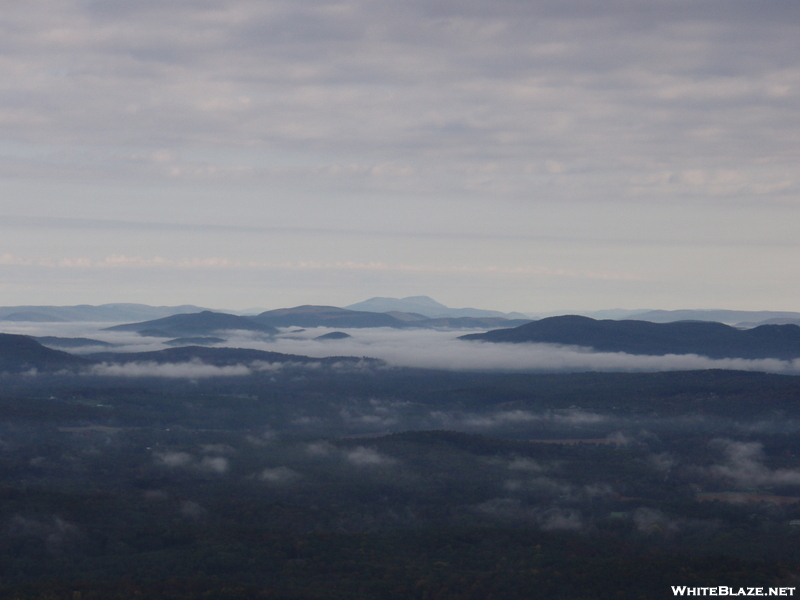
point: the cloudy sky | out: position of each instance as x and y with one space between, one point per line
528 155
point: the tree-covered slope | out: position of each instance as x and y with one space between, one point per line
642 337
21 353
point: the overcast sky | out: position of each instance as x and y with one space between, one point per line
520 155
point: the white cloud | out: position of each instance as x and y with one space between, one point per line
175 459
279 475
420 348
525 464
190 370
442 350
185 460
320 449
224 449
192 510
744 464
214 464
368 457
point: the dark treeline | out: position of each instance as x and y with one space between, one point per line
359 481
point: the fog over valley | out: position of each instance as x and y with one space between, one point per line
421 348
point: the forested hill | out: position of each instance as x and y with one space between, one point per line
219 357
714 340
194 324
327 316
20 353
208 323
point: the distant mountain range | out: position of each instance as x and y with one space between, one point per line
428 307
739 318
418 320
104 313
208 323
714 340
730 317
326 316
410 311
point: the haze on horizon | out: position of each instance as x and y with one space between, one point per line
507 155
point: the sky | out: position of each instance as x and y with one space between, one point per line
516 155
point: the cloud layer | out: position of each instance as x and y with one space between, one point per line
419 348
518 155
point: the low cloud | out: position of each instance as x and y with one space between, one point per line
512 509
320 449
192 510
372 415
423 348
214 464
56 532
663 462
185 460
744 465
525 464
650 520
218 449
368 457
189 370
511 418
175 459
540 485
279 475
559 519
415 348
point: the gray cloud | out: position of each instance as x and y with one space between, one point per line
56 532
663 462
242 71
553 120
192 510
512 509
526 464
473 85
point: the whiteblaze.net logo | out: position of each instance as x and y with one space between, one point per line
722 590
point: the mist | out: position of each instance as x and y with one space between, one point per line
415 348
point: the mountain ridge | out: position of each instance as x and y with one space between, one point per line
109 313
715 340
220 357
195 324
427 306
20 353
